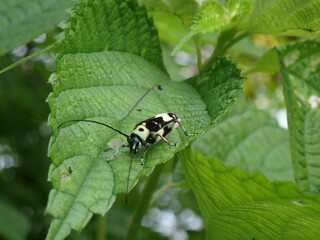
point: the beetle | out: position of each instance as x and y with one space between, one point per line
146 133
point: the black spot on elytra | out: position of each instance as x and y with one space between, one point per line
141 129
154 124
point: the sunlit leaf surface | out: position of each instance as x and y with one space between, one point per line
251 139
240 205
300 67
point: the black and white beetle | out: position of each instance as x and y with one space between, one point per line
146 133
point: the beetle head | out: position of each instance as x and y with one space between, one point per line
134 143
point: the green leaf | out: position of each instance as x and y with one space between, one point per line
214 16
171 30
22 21
95 182
251 139
184 9
245 47
290 18
268 63
300 67
222 90
13 225
126 28
119 88
239 205
285 17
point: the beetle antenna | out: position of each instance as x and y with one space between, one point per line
91 121
128 180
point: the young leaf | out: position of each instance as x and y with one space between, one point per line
171 31
119 87
239 205
13 225
268 63
300 67
222 89
184 9
282 17
285 17
251 139
21 21
214 16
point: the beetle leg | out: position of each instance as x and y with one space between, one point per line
143 155
185 131
166 141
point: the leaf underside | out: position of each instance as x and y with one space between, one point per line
239 205
285 17
184 9
300 67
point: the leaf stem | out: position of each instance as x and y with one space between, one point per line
197 43
226 40
27 58
166 187
235 40
102 235
144 203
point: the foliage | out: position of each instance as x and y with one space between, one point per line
238 205
252 17
251 139
302 91
14 225
113 65
22 21
96 97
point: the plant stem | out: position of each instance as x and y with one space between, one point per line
226 40
27 58
219 49
166 187
235 40
102 235
197 43
144 203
